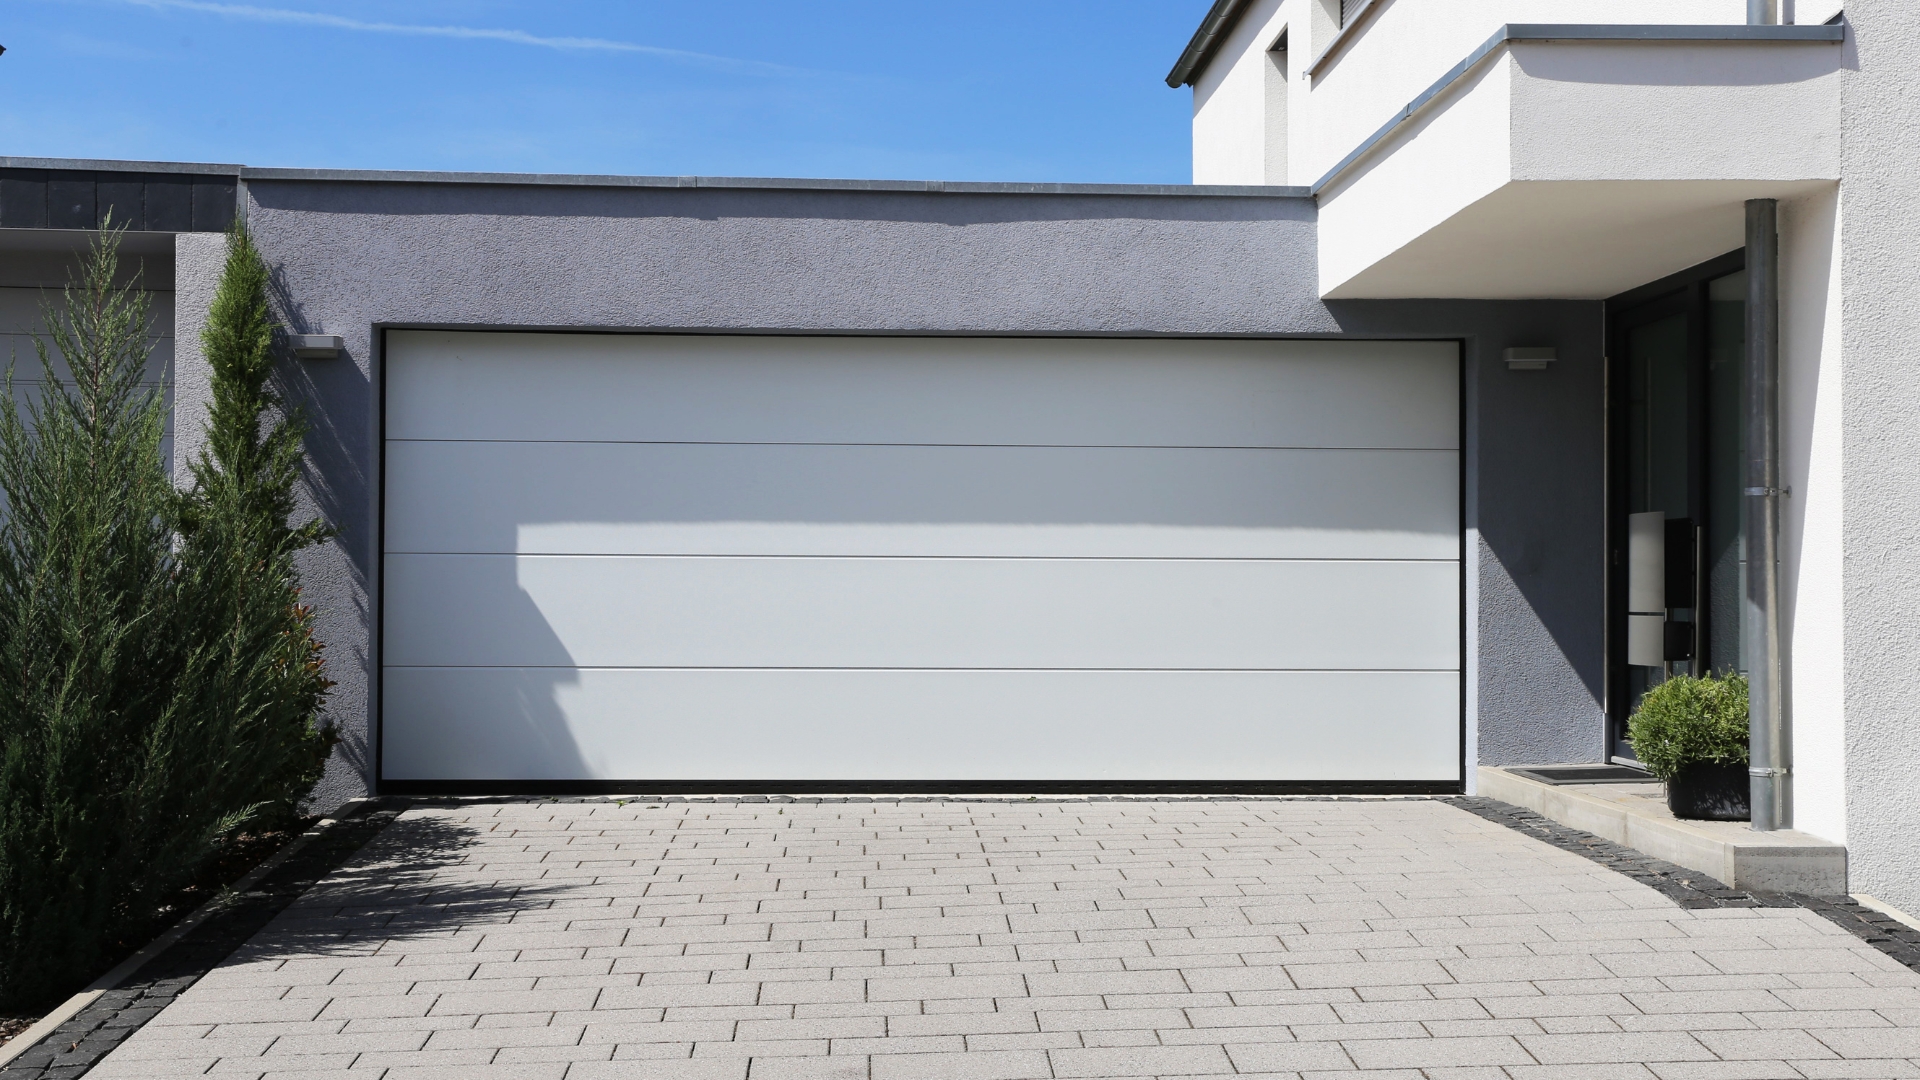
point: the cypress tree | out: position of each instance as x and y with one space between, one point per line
159 681
239 541
86 636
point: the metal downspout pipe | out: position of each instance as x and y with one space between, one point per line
1760 609
1763 12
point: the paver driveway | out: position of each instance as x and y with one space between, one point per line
1012 940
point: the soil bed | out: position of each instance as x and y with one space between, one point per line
231 861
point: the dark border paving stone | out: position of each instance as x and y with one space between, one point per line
75 1046
1692 889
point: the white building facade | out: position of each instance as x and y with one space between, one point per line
1608 150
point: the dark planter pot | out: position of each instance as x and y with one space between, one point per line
1710 791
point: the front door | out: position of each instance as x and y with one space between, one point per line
1675 558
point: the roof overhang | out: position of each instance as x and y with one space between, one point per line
1577 162
1206 41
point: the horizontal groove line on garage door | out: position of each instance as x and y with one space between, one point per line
901 558
955 445
835 667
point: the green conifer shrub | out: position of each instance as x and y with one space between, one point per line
239 542
159 682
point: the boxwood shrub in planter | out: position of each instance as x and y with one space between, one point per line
1692 734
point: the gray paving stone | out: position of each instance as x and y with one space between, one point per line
661 1069
1725 1070
1621 1071
1860 1069
1599 1047
1140 1061
1267 1057
908 939
809 1068
1431 1053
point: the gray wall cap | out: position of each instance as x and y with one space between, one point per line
758 183
743 183
93 165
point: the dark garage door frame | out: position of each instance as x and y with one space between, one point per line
1145 786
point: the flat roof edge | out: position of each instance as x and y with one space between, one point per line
738 183
191 168
761 183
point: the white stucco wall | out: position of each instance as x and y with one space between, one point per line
1811 538
1638 156
1411 43
1405 47
1232 100
1696 111
1880 384
1449 158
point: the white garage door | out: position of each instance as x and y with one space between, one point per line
664 557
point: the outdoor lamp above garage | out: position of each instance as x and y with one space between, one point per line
1531 358
316 346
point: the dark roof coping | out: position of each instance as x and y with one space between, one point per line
1206 41
34 173
190 168
760 183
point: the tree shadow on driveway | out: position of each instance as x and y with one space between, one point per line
406 883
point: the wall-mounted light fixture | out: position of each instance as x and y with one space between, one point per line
1531 358
316 346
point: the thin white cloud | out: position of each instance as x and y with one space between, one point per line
471 33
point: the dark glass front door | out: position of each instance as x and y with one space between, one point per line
1675 557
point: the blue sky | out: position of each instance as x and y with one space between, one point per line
1049 90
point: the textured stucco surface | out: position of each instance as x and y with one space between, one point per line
1880 279
198 258
1535 474
352 257
1812 605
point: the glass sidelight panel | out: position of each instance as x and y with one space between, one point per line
1726 440
1658 425
1676 476
1660 490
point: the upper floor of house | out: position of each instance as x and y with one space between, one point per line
1285 90
1470 148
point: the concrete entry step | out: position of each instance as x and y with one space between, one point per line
1636 816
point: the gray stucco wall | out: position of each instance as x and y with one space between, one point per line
350 257
1880 395
1536 512
198 258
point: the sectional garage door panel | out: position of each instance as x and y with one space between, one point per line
622 611
574 498
559 724
869 559
917 391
